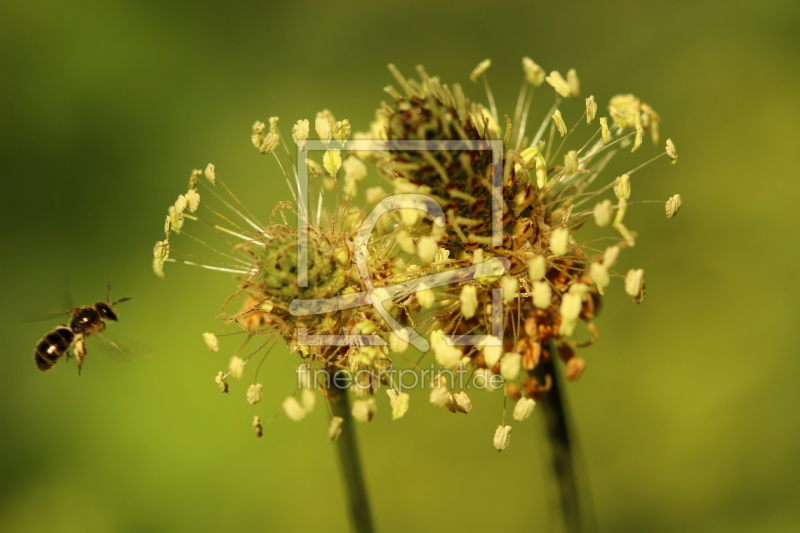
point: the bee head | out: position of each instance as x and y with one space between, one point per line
105 311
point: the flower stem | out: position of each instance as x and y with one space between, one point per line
350 463
557 421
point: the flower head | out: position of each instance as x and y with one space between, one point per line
350 275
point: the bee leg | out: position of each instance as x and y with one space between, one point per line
79 348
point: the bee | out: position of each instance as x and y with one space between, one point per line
84 322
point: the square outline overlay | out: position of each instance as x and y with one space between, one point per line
365 145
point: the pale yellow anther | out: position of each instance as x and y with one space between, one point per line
397 344
426 249
441 397
559 241
364 410
510 286
469 301
671 151
523 409
591 109
571 306
493 352
236 367
622 186
398 402
323 127
622 208
194 179
335 428
537 267
254 393
270 143
637 141
257 428
258 133
175 219
528 156
611 256
367 327
180 204
574 84
571 163
354 168
542 294
192 200
603 213
534 74
502 437
342 130
634 284
581 289
382 295
211 175
600 276
558 83
211 341
293 410
462 402
375 195
625 110
480 69
308 399
426 298
158 268
672 205
446 356
300 133
478 257
558 120
605 133
405 243
541 174
223 384
510 365
161 250
332 161
273 124
410 216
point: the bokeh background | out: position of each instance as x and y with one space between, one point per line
686 413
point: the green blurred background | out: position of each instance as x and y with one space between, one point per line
687 410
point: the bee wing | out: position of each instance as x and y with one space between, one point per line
63 299
118 349
42 317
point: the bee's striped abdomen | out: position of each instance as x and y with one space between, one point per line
52 346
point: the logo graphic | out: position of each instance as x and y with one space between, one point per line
375 297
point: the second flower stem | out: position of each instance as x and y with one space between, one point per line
557 422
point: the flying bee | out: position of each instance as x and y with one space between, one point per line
85 321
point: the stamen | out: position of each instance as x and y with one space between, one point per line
209 267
